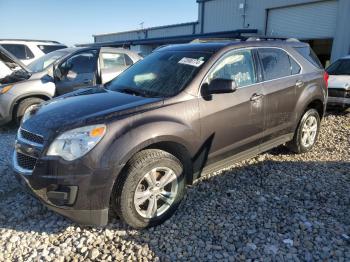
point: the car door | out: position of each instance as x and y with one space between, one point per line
112 63
77 71
233 122
281 75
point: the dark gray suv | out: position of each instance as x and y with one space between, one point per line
131 146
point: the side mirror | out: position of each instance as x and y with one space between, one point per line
221 86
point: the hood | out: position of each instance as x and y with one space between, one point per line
10 60
339 81
85 107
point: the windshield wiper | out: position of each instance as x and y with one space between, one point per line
136 92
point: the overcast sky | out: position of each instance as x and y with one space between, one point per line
75 21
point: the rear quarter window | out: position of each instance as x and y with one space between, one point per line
309 54
275 63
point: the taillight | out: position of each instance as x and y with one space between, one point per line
325 78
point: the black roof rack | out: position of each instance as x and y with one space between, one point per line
29 40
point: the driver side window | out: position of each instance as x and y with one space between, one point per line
79 64
237 66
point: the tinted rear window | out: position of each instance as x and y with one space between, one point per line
50 48
309 54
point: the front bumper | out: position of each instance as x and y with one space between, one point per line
86 217
338 101
338 97
80 190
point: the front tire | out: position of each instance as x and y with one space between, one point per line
150 189
306 135
25 105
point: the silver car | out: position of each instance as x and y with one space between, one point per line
57 73
339 83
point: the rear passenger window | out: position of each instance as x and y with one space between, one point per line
113 60
22 52
275 63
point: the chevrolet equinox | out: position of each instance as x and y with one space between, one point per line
131 146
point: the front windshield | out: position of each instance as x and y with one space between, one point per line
43 62
161 74
340 67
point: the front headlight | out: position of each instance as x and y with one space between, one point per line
5 89
77 142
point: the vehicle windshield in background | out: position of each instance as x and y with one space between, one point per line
50 48
161 74
43 62
340 67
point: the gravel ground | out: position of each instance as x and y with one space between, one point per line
277 206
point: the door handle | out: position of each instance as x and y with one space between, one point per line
256 97
299 84
87 81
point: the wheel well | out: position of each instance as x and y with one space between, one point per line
318 105
15 106
180 152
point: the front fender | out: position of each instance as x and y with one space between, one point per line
142 136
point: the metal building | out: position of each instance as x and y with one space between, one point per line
323 23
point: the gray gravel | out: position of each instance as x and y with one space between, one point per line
277 206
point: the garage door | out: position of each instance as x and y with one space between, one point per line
309 21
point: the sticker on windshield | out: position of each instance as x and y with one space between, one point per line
191 62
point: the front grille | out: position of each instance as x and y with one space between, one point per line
32 137
26 162
338 93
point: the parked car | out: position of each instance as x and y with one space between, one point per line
339 83
57 73
183 111
28 50
8 63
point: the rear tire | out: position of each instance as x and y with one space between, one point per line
306 135
25 105
150 189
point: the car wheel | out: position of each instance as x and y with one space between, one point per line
307 132
150 189
24 106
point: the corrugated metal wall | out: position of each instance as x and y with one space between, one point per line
222 15
170 31
299 21
219 15
156 32
119 37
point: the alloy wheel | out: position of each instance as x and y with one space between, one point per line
309 131
156 192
